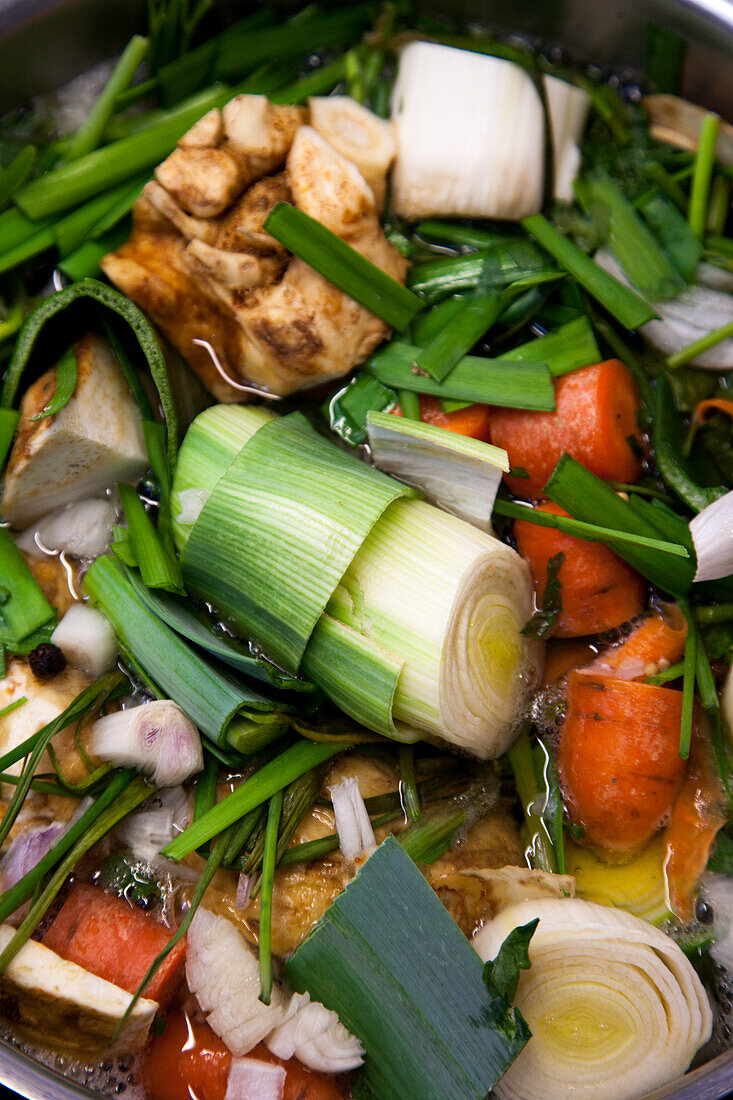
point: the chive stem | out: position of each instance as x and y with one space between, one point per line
697 347
274 812
688 683
521 758
408 783
712 614
410 404
90 134
697 209
667 675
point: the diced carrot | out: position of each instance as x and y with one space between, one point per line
618 760
594 419
655 644
189 1061
112 939
599 590
698 814
561 656
705 409
474 420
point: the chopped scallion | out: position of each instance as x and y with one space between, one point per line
15 173
8 423
697 210
688 683
90 134
697 347
274 812
26 608
66 377
158 567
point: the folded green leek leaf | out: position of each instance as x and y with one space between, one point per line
391 961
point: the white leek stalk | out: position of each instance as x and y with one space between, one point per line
223 973
712 535
87 640
83 529
470 135
353 826
454 471
614 1006
315 1036
452 601
362 137
251 1079
209 446
694 313
157 738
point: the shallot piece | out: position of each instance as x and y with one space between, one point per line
250 1079
712 536
315 1036
353 826
245 883
27 849
148 830
86 640
157 739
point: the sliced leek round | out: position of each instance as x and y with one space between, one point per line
639 886
614 1006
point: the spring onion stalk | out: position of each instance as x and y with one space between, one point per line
588 963
712 614
268 875
66 378
668 675
457 235
459 335
491 268
659 175
704 164
409 404
347 410
429 326
157 739
645 262
71 184
408 782
534 798
25 608
209 694
718 206
568 348
311 850
88 137
320 82
158 567
298 798
437 1031
674 233
8 423
26 249
134 793
488 381
668 447
15 173
455 472
85 261
697 347
688 684
342 265
587 498
15 228
623 304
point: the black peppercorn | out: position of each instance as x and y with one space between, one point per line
46 661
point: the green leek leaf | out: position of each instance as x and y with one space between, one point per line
25 608
347 410
66 378
158 567
568 348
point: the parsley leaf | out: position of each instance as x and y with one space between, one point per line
542 622
502 973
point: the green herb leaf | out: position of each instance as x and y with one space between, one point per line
542 622
502 973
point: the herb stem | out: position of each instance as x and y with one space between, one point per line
274 812
697 347
697 210
90 134
408 784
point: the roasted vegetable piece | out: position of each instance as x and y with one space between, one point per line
618 759
594 420
116 941
598 591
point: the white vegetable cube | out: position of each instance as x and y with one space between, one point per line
470 136
60 1003
94 441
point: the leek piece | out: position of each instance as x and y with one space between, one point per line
67 373
274 812
115 302
673 231
270 574
15 228
210 696
435 320
272 777
570 347
125 199
458 234
638 886
718 206
84 262
356 673
347 410
454 471
490 269
26 249
697 209
587 498
8 423
211 442
438 1032
15 173
626 307
202 633
533 788
71 184
451 601
25 608
458 336
488 381
697 347
158 567
342 265
633 244
90 134
134 793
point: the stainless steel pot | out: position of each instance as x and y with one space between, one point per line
43 43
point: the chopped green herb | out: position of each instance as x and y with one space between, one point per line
542 622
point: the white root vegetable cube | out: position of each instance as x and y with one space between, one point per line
94 441
63 1005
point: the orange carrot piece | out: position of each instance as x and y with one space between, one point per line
710 405
594 419
698 814
474 420
656 643
561 656
599 590
115 941
618 760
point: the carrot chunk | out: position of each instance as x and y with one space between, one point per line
656 643
474 420
698 814
115 941
599 590
618 760
594 419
